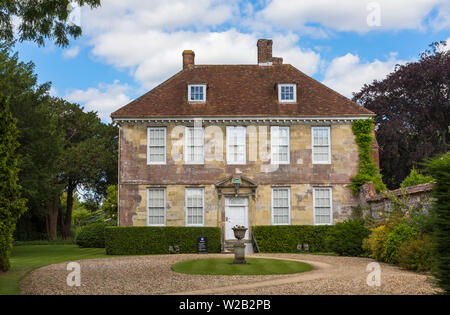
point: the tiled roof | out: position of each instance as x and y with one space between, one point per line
240 90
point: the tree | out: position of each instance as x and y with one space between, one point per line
413 113
40 20
89 153
40 144
415 178
109 205
11 204
439 168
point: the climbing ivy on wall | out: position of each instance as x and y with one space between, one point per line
367 169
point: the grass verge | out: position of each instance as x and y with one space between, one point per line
254 266
26 258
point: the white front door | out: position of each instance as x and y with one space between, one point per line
236 213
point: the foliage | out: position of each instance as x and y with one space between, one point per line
62 148
11 204
415 212
402 232
38 138
142 240
80 215
439 168
254 266
415 178
27 258
89 158
415 254
91 236
367 169
346 237
285 238
40 20
58 241
374 244
109 205
412 106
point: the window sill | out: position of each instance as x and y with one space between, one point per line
197 102
287 102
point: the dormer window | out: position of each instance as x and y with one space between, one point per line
287 93
197 93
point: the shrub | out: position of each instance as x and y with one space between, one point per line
285 238
346 237
415 254
439 168
415 178
91 235
143 240
374 244
402 232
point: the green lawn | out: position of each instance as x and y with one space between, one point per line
29 257
254 266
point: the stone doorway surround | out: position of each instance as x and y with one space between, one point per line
247 189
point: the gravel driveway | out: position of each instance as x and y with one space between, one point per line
152 275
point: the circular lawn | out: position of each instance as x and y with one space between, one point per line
254 266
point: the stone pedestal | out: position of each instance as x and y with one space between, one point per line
239 253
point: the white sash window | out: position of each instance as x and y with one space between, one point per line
236 145
281 206
321 148
156 205
279 140
323 212
194 206
156 138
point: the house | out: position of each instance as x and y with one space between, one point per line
226 145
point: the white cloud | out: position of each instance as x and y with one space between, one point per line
148 37
442 20
71 52
347 74
445 48
139 15
349 15
104 99
53 91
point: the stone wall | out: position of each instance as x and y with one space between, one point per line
300 175
377 205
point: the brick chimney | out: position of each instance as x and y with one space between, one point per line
188 58
265 53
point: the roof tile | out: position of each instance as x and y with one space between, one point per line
240 90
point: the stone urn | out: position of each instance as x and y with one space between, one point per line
239 232
239 247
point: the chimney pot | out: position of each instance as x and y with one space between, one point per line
188 58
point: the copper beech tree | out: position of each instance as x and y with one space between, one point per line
413 113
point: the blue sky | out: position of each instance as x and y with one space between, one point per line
129 46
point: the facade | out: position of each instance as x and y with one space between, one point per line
226 145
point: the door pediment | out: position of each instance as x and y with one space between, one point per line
226 187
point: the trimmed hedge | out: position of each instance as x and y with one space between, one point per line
143 240
91 236
285 238
346 238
